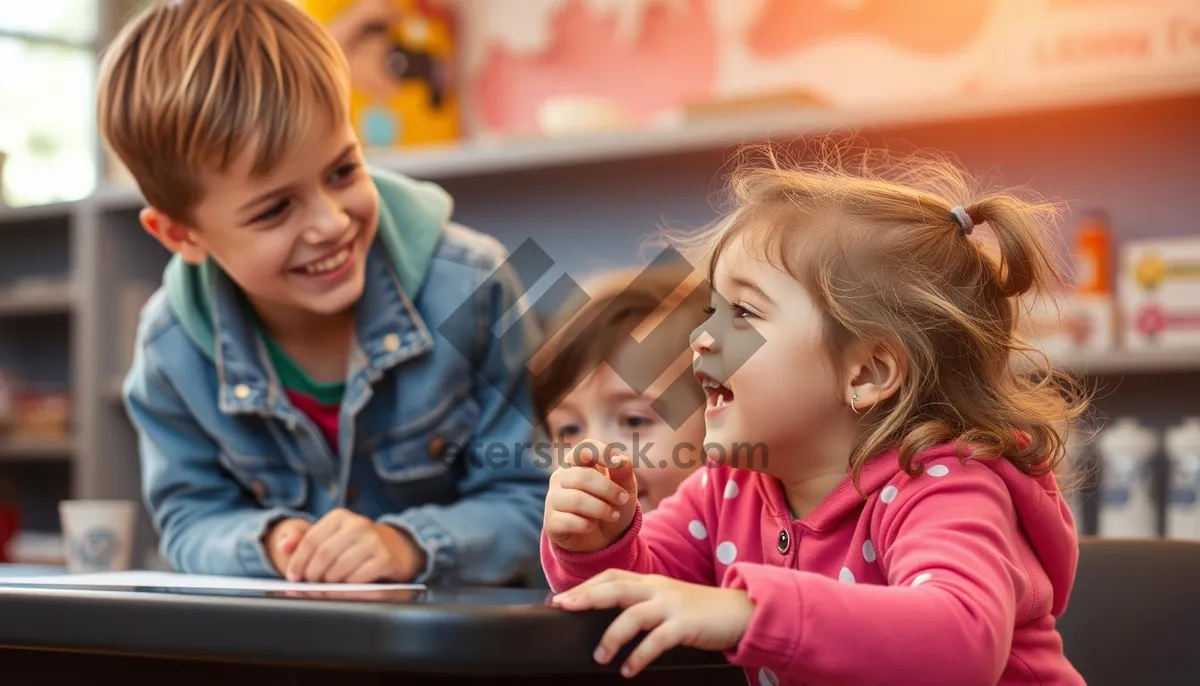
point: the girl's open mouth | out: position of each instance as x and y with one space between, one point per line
719 396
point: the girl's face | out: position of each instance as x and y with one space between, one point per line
771 387
604 408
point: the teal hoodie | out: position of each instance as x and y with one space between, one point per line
412 216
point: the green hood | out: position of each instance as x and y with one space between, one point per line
412 215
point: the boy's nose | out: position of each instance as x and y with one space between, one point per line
329 222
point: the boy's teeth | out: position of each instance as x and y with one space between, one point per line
328 264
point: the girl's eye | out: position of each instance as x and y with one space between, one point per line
740 312
710 310
274 212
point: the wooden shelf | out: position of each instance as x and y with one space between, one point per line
35 449
56 299
35 213
493 157
1131 362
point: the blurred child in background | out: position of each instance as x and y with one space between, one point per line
633 327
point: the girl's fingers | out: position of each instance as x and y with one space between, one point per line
638 618
565 523
595 483
592 595
665 636
581 503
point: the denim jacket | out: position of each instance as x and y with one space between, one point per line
431 385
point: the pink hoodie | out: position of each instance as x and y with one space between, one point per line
955 576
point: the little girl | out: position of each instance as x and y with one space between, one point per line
905 524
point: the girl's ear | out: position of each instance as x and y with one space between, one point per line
174 236
873 374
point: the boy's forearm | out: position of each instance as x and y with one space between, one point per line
489 538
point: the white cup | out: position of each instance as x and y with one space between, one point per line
97 534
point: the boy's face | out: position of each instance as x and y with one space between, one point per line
604 408
295 240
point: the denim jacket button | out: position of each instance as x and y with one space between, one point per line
259 489
351 494
437 447
391 342
242 391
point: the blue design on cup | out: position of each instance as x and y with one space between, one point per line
380 127
1184 492
96 549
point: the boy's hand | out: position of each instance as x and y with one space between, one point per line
671 612
343 547
592 499
282 540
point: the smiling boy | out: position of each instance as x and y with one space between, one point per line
297 387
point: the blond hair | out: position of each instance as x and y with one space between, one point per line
878 248
187 85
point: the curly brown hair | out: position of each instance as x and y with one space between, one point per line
877 246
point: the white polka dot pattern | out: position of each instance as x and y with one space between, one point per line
868 551
726 553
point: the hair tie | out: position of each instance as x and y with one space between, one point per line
960 215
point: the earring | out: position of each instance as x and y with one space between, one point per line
853 402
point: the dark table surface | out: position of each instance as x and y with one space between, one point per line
462 631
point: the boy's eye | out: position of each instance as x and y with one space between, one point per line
568 431
275 211
344 171
637 422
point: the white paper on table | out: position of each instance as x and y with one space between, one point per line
172 580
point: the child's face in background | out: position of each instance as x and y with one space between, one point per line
604 408
296 239
763 344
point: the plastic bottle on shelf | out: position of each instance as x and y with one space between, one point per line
1183 501
1127 503
1076 461
1093 254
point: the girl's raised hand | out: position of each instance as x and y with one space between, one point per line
592 499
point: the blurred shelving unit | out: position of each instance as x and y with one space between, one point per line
598 191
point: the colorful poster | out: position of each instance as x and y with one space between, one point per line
643 60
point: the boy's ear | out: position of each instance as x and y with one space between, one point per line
174 236
874 373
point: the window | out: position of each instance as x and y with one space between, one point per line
47 121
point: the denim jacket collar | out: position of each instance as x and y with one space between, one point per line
388 331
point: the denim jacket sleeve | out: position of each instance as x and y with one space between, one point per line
207 522
491 534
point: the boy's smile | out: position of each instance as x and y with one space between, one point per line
295 239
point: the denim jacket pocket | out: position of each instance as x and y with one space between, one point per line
271 480
423 462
